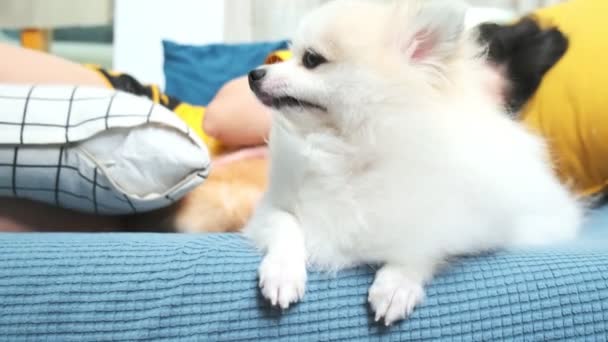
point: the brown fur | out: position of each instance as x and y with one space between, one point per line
225 201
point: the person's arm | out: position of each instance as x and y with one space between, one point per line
235 117
21 65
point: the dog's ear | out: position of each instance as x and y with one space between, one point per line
429 30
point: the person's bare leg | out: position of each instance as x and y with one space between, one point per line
236 117
21 65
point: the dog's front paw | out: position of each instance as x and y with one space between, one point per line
393 296
282 279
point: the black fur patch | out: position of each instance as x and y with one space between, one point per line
527 52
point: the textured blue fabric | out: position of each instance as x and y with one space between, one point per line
112 287
195 73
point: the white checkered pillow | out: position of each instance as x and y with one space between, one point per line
95 150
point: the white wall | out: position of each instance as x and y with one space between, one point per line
141 25
259 20
277 19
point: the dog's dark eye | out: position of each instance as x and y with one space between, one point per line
311 59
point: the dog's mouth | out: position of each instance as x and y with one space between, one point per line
287 102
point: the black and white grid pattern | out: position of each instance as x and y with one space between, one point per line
40 128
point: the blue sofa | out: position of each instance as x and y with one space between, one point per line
153 287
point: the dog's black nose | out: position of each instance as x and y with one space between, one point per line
257 75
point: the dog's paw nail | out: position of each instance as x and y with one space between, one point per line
283 279
394 298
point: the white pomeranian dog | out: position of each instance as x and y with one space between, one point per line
387 148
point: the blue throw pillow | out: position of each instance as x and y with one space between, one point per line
195 73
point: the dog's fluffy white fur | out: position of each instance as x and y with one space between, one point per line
393 152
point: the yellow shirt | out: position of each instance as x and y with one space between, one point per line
194 116
570 108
